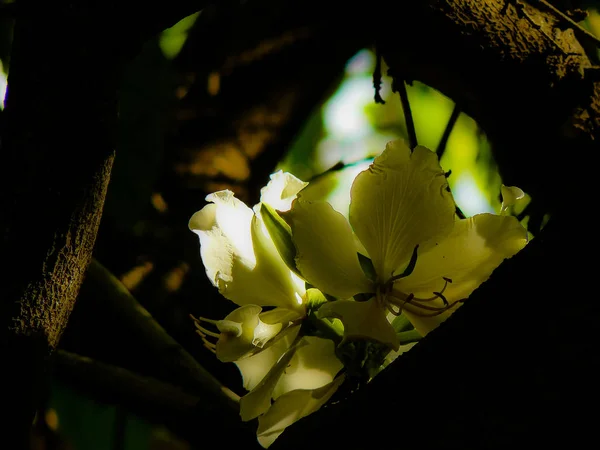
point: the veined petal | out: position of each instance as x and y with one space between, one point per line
362 320
281 191
277 284
468 256
326 255
270 323
258 401
240 257
400 202
224 231
291 407
254 368
314 365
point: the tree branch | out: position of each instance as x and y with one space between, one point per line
193 417
166 350
58 140
498 373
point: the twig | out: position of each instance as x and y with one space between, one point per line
377 77
400 87
449 127
167 349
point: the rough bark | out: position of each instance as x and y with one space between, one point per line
58 143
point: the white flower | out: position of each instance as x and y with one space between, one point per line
242 261
423 261
299 375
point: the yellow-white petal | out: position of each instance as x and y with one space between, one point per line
281 191
224 231
400 202
277 284
468 256
258 401
291 407
256 367
240 257
362 320
314 365
510 197
326 254
270 323
237 333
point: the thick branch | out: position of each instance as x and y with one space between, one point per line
58 142
192 416
523 77
167 351
499 373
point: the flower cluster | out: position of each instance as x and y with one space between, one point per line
318 292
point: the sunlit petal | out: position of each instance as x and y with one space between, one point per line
254 368
362 320
326 255
468 256
400 202
281 191
224 231
240 257
237 333
272 280
314 365
258 401
510 197
291 407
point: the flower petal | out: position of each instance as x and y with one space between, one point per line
281 191
240 257
314 365
258 401
270 323
277 284
237 333
401 201
468 256
291 407
362 320
326 255
224 231
256 367
510 197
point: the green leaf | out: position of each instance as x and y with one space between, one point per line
367 267
281 233
411 266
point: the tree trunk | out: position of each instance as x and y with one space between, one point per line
58 146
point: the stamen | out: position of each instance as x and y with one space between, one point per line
208 344
436 294
440 295
207 332
214 350
390 308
